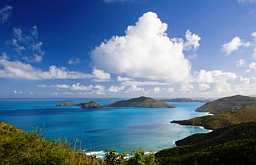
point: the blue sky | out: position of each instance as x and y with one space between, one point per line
84 48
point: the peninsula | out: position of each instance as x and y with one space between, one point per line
226 111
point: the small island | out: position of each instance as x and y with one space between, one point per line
141 102
67 104
90 105
87 105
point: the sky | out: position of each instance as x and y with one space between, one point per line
127 48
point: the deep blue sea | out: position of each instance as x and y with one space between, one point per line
121 129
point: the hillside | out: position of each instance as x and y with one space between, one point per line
20 148
231 145
141 102
222 120
228 104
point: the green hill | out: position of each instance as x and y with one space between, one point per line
228 104
141 102
231 145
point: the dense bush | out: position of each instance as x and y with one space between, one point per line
20 148
140 158
231 145
114 158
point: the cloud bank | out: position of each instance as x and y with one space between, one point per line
20 70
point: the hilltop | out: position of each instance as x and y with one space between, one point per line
141 102
228 104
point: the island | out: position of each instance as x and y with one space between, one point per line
67 104
141 102
90 105
185 100
87 105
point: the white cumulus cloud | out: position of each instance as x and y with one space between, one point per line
234 45
100 75
252 66
192 40
146 51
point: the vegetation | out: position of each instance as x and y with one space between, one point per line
145 102
222 120
18 148
231 145
114 158
140 158
228 104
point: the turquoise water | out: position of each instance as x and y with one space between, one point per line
121 129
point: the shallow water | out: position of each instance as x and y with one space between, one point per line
121 129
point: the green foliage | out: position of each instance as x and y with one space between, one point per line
114 158
140 158
20 148
231 145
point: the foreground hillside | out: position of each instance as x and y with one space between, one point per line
231 145
18 147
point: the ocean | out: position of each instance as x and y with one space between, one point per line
95 131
